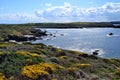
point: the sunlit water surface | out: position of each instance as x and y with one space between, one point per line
86 40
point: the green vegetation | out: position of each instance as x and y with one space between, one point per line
40 62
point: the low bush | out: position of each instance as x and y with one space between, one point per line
83 65
38 71
25 53
117 71
54 59
2 77
63 57
12 63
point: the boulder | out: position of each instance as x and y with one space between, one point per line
96 52
38 33
110 33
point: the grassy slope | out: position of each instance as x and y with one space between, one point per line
38 62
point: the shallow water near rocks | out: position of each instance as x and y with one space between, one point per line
86 40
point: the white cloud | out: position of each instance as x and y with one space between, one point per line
68 13
111 7
39 13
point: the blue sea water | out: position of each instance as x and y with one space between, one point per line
86 40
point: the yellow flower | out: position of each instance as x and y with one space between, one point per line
63 57
60 67
2 77
72 69
83 65
38 70
25 53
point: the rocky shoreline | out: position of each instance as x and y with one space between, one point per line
35 34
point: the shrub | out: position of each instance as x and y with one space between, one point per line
72 70
52 48
25 53
2 77
3 45
60 67
83 65
1 53
12 63
118 71
41 51
115 61
54 59
54 79
76 52
63 57
38 70
59 52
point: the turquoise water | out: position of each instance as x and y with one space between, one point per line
86 40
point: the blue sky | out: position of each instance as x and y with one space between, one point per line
27 11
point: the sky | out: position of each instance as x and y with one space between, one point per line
60 11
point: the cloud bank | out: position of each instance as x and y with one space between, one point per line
68 13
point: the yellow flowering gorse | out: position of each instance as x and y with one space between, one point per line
83 65
63 57
25 53
2 77
72 69
38 70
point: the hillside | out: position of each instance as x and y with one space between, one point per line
40 62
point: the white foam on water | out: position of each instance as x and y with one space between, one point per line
112 35
101 51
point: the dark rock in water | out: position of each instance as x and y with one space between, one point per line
54 36
32 38
51 34
96 52
110 33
